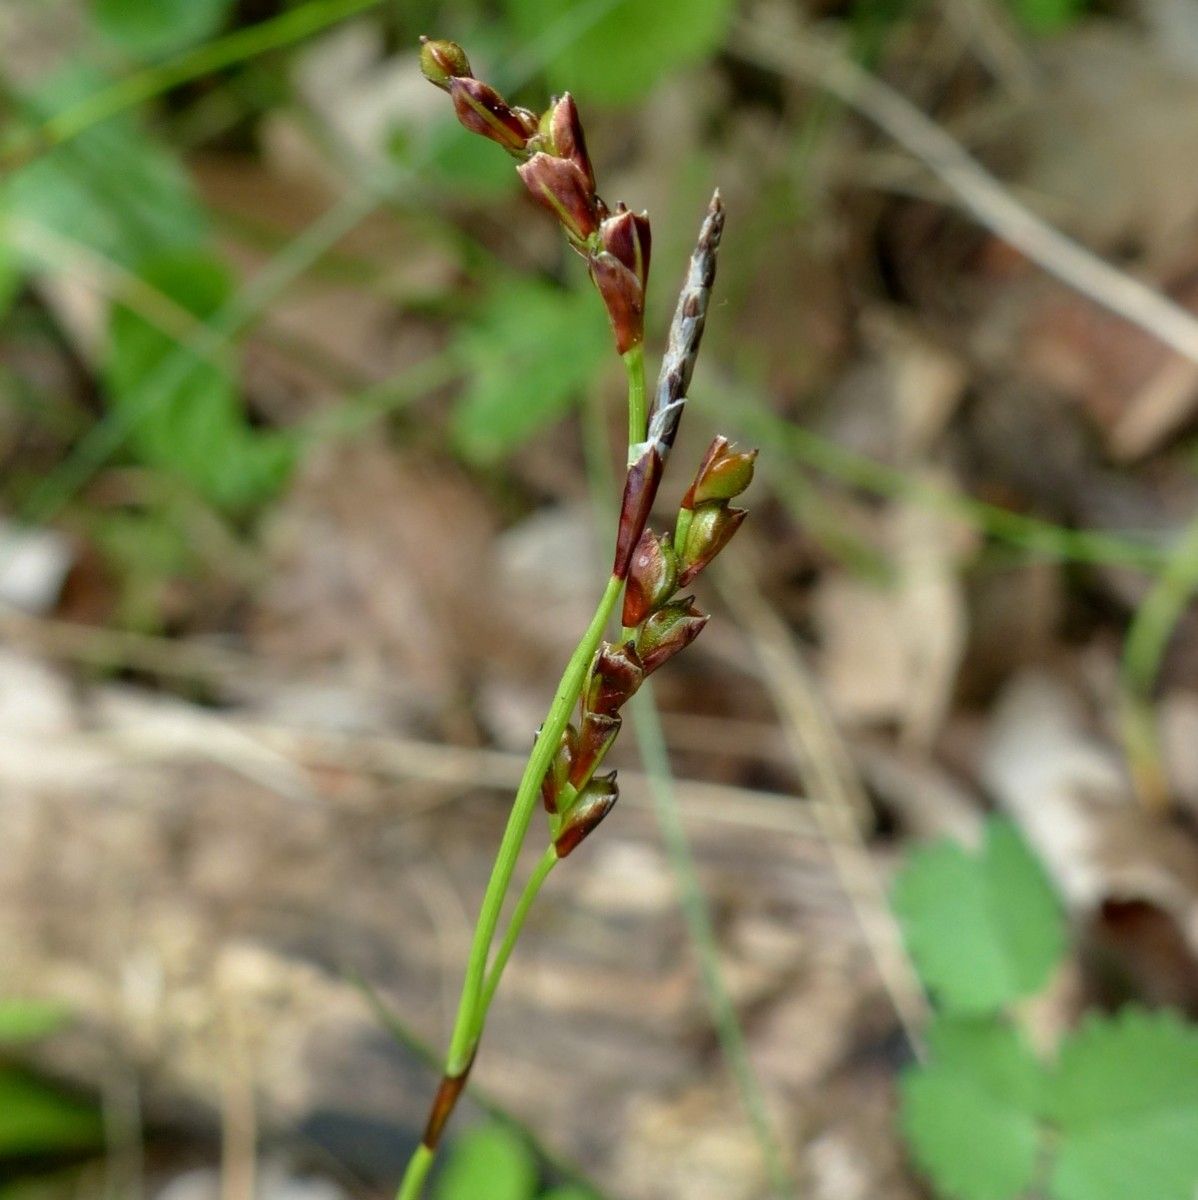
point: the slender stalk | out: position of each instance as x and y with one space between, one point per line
531 889
416 1173
638 413
477 989
470 1013
1148 638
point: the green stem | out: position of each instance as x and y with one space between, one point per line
416 1173
1148 638
468 1024
477 990
548 861
638 413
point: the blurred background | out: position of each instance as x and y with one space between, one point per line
308 425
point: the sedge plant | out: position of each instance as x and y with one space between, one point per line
648 569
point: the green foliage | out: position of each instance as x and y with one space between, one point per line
1046 17
1125 1102
982 930
970 1115
529 354
153 28
10 276
195 428
1116 1119
616 52
111 188
28 1020
495 1162
488 1161
38 1119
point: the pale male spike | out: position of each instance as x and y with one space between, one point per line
686 332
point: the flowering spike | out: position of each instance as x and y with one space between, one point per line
686 332
709 532
615 675
723 474
441 61
651 577
482 110
561 187
594 738
595 802
669 630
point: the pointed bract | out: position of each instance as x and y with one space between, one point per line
615 675
597 799
669 630
562 129
596 735
627 236
640 490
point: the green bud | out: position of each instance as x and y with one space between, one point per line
594 802
441 61
723 474
710 530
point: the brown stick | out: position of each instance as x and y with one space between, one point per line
444 1102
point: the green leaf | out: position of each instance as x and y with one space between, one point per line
615 52
1046 17
982 930
153 28
111 188
37 1119
28 1020
10 274
183 411
969 1116
488 1161
530 352
1125 1098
